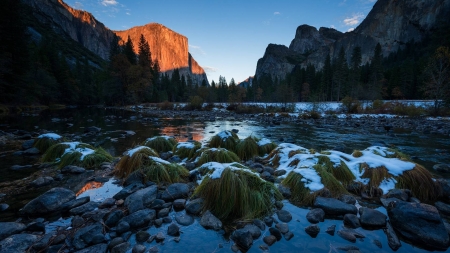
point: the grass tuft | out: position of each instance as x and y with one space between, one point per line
184 151
357 153
237 195
247 149
419 180
224 139
128 164
219 155
266 148
161 143
341 172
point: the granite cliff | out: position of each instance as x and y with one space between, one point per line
171 49
392 23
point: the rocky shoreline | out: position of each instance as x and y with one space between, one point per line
123 222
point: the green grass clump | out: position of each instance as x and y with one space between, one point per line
341 172
43 143
138 159
219 155
72 154
420 181
357 153
224 139
266 148
247 149
237 195
161 143
164 172
330 181
186 149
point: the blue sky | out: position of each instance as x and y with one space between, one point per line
227 37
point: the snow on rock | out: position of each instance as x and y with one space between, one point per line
134 150
73 148
163 136
225 135
50 136
264 141
187 145
159 160
216 169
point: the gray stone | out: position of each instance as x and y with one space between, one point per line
18 243
10 228
334 207
114 242
98 248
195 206
158 222
260 224
173 230
75 203
209 221
312 230
77 221
31 152
351 221
142 236
330 230
90 206
419 223
113 218
254 230
85 236
284 216
348 199
98 238
121 248
160 237
242 238
153 249
122 227
288 236
347 235
393 241
175 191
179 204
157 204
315 215
163 212
268 221
184 219
107 203
275 232
279 173
269 240
443 208
140 218
71 169
41 181
401 194
27 144
59 239
372 219
141 199
50 201
127 191
283 227
167 219
138 248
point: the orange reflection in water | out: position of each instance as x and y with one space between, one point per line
89 186
182 133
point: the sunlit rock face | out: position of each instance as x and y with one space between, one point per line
392 23
171 49
78 25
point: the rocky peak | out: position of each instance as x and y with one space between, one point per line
330 33
170 48
276 62
307 39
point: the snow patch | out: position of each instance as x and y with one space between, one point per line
134 150
50 136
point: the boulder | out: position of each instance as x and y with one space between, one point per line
275 232
419 223
330 230
163 212
209 221
443 208
372 219
312 230
268 221
142 236
138 248
393 241
260 224
175 191
315 215
284 216
334 207
195 206
179 204
254 230
10 228
89 206
50 201
351 221
140 218
75 203
401 194
122 227
242 238
141 199
270 239
86 235
18 243
184 219
348 199
41 181
127 191
113 218
173 230
71 169
283 227
107 203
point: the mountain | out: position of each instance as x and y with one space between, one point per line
171 49
392 23
246 83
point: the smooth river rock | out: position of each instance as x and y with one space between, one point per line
334 207
50 201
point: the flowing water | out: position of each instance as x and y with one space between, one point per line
121 130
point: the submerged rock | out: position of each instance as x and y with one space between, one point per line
312 230
242 238
195 206
393 241
50 201
184 219
419 223
209 221
372 219
334 207
351 221
284 216
315 215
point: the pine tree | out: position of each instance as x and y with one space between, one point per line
376 74
129 51
144 54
